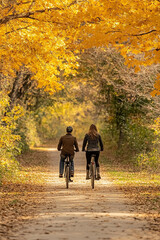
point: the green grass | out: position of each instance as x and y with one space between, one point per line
143 188
134 178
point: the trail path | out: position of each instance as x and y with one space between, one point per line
81 213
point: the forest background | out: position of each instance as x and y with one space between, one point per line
76 63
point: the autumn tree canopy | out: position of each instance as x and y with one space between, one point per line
46 35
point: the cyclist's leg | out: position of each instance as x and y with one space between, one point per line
96 159
97 165
61 165
88 161
72 166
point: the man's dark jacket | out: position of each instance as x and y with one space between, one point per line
68 143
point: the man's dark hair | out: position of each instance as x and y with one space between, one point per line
69 129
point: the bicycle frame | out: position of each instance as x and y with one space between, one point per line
67 169
67 165
92 169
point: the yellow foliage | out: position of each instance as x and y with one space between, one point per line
43 35
61 115
137 69
156 91
7 124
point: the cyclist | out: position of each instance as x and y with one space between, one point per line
66 145
94 145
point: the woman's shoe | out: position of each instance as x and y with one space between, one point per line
98 174
87 175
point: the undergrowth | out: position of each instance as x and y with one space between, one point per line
143 187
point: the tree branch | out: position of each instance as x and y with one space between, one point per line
25 15
141 34
30 13
113 31
18 29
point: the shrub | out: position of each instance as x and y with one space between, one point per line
8 138
149 161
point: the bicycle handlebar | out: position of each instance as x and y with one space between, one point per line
74 150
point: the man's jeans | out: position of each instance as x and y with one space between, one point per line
61 164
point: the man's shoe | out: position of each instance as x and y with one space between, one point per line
72 173
70 180
60 175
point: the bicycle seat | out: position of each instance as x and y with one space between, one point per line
93 155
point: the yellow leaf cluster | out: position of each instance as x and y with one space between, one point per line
8 123
156 91
45 34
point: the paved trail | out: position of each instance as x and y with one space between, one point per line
81 213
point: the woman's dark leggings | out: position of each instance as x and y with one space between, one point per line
88 157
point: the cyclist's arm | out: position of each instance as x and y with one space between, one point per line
59 144
84 143
101 143
76 145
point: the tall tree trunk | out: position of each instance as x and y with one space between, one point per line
121 138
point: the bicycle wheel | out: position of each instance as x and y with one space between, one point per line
67 176
92 171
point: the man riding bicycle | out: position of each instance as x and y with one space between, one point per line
67 145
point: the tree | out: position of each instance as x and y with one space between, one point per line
121 96
44 34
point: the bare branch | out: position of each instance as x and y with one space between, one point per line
24 15
141 34
15 30
31 5
112 31
30 13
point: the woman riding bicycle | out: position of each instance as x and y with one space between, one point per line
94 145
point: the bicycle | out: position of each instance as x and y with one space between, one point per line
67 170
92 170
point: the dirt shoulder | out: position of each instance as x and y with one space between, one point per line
23 195
142 188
